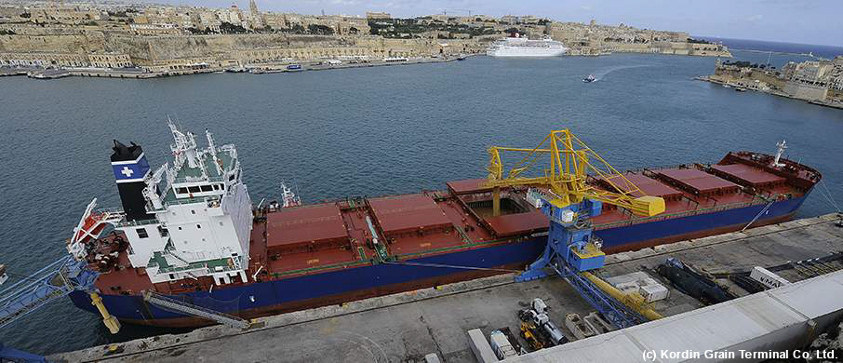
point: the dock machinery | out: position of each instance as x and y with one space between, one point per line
562 193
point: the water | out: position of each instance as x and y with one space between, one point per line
778 54
368 131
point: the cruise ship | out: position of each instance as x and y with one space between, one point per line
188 231
523 47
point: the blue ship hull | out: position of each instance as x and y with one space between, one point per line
288 294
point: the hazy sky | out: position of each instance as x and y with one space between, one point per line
796 21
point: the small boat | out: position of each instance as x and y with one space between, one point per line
589 79
461 57
740 89
294 67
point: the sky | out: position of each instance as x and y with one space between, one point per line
790 21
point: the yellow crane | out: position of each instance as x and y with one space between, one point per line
570 162
571 200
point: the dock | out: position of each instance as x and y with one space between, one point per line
409 326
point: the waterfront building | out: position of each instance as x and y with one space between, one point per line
110 60
23 59
375 15
155 29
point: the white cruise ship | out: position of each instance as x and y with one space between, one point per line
523 47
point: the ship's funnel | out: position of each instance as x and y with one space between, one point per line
130 167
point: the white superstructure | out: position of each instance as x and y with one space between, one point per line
523 47
201 216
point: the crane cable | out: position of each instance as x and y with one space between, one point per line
828 196
407 263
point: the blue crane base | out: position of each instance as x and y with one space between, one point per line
569 252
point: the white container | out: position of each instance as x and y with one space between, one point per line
767 277
653 292
501 346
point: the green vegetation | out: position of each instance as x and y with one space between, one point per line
193 30
6 32
228 28
698 41
414 28
121 13
319 29
746 64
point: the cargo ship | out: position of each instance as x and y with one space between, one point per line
190 232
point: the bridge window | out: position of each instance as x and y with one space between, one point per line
206 188
182 190
193 189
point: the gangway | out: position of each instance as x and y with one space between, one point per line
183 307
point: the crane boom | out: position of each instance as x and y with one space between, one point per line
566 175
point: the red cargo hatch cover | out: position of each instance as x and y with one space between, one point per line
467 186
749 174
698 180
316 223
408 212
513 224
647 185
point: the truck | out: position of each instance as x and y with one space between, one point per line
501 346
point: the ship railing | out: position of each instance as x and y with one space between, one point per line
144 222
191 179
194 200
204 266
665 216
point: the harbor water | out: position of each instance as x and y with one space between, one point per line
368 131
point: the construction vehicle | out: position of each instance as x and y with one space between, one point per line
537 314
531 335
562 192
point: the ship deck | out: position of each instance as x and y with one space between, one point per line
328 236
408 326
353 232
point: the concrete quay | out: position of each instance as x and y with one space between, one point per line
46 74
408 326
838 105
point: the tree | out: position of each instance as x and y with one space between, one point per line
320 29
228 28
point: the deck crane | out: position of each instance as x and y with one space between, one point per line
562 193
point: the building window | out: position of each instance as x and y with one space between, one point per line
142 233
198 226
163 232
